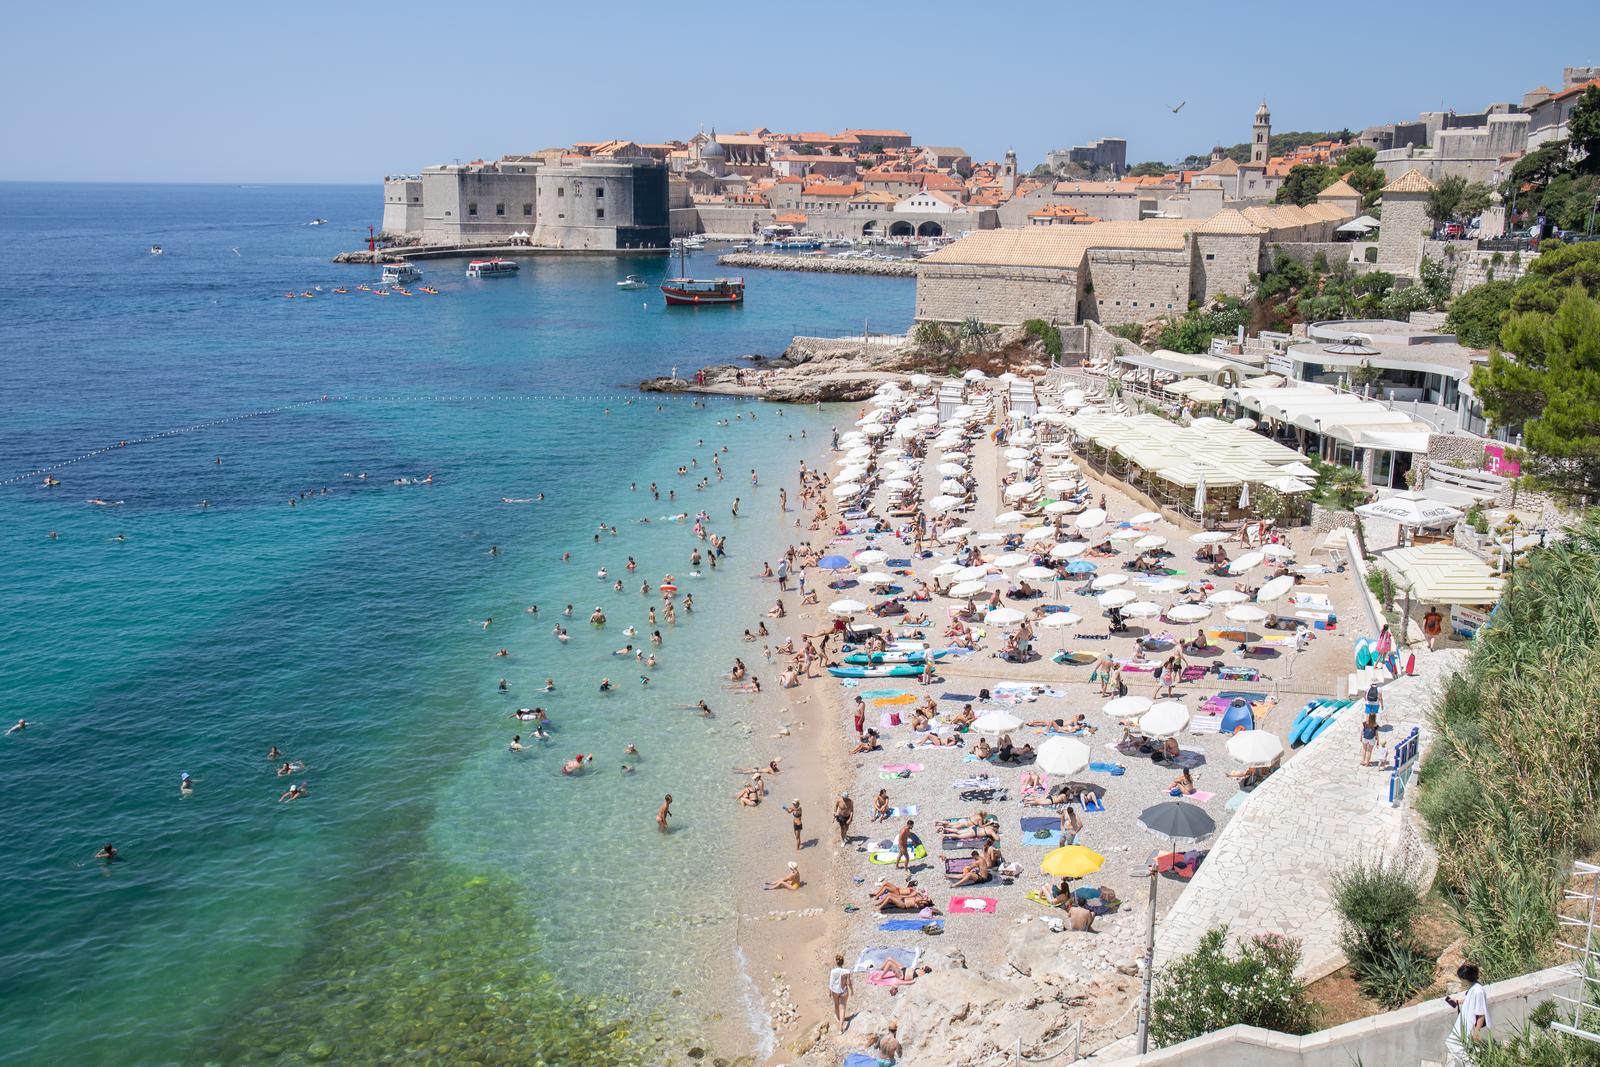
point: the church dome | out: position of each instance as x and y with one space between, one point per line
712 150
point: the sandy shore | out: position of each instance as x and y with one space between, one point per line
790 942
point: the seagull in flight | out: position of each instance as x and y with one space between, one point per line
1179 107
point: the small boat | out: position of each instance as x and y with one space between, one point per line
491 268
155 250
341 290
893 670
697 291
400 272
633 281
317 222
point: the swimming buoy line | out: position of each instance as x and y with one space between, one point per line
620 398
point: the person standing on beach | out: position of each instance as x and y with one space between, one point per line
1472 1017
844 810
903 844
839 990
664 813
793 808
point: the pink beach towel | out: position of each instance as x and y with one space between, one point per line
1200 796
972 905
884 978
898 768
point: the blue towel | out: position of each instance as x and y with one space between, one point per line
965 698
1031 823
1094 805
909 924
1116 770
897 563
860 1059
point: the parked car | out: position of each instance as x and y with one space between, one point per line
1450 231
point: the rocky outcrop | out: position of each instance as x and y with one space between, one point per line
816 369
822 264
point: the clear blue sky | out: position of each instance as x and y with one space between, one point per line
345 92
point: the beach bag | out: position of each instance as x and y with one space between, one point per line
1122 688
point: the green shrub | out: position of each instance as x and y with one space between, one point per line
1377 904
1046 334
1129 331
1535 1045
1211 988
1381 586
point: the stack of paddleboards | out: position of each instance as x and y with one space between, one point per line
1314 718
896 655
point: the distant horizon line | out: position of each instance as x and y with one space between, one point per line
154 181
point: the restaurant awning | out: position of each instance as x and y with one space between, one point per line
1444 574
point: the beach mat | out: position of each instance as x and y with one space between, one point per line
860 1059
905 812
962 905
871 959
910 924
965 698
1199 796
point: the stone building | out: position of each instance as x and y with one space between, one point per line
577 202
1108 153
1471 152
1405 224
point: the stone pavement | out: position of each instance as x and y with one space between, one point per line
1271 868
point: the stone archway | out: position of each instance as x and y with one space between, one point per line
869 228
900 228
930 229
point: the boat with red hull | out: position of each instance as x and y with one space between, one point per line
703 291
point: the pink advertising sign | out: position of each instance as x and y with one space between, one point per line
1495 462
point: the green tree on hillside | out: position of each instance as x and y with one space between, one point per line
1304 182
1148 169
1359 156
1558 268
1453 197
1552 390
1583 129
1476 315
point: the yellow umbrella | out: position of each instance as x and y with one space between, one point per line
1072 861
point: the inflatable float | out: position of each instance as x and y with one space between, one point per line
889 670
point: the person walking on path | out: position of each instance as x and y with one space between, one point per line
844 809
1432 626
794 813
1369 737
1472 1017
839 990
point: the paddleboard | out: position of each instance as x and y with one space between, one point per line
892 670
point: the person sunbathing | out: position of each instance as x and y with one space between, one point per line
910 900
868 742
935 741
788 881
982 749
965 639
968 822
1198 643
1034 782
1183 785
965 718
974 872
1059 895
1167 750
902 974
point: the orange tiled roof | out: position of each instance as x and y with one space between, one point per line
936 180
791 217
878 133
832 189
1061 211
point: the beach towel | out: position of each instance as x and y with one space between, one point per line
1199 796
1039 898
879 978
1205 724
982 781
860 1059
961 698
1094 806
905 812
871 959
972 905
887 857
894 701
879 694
1236 801
1116 770
909 924
897 768
965 842
956 864
1033 826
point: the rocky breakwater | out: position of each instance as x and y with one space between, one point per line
881 268
816 369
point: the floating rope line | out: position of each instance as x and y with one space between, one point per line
620 399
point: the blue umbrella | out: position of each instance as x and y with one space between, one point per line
833 563
1080 566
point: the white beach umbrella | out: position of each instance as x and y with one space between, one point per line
952 470
851 473
989 537
1109 581
856 453
1017 453
1068 549
1277 551
897 485
844 489
954 534
1255 748
1023 437
1013 559
927 420
974 375
1058 619
1018 490
942 503
1124 707
1060 507
1117 597
878 578
1297 470
1144 518
920 381
1124 533
1246 562
993 722
1276 589
1141 609
1036 574
973 574
1226 596
1019 464
1246 613
945 570
1062 755
1038 535
1188 612
877 429
956 457
1008 518
871 556
846 607
1063 485
1169 584
1004 617
1091 518
1289 485
1208 537
967 588
1149 541
951 486
1166 719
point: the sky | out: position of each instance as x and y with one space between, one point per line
348 92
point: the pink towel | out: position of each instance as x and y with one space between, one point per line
896 768
972 905
1200 796
884 978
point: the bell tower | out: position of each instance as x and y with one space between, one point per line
1261 139
1008 172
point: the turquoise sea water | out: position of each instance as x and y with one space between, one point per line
434 895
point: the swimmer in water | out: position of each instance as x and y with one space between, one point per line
631 750
516 742
664 813
295 792
605 685
549 685
185 784
22 724
108 853
630 632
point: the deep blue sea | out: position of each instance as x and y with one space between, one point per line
434 895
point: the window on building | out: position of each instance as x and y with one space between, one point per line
599 212
561 214
1210 256
500 209
527 209
472 209
600 193
561 190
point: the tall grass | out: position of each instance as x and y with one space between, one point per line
1511 788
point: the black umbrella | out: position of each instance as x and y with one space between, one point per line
1177 820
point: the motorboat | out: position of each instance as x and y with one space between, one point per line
317 222
400 273
633 281
492 268
155 250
